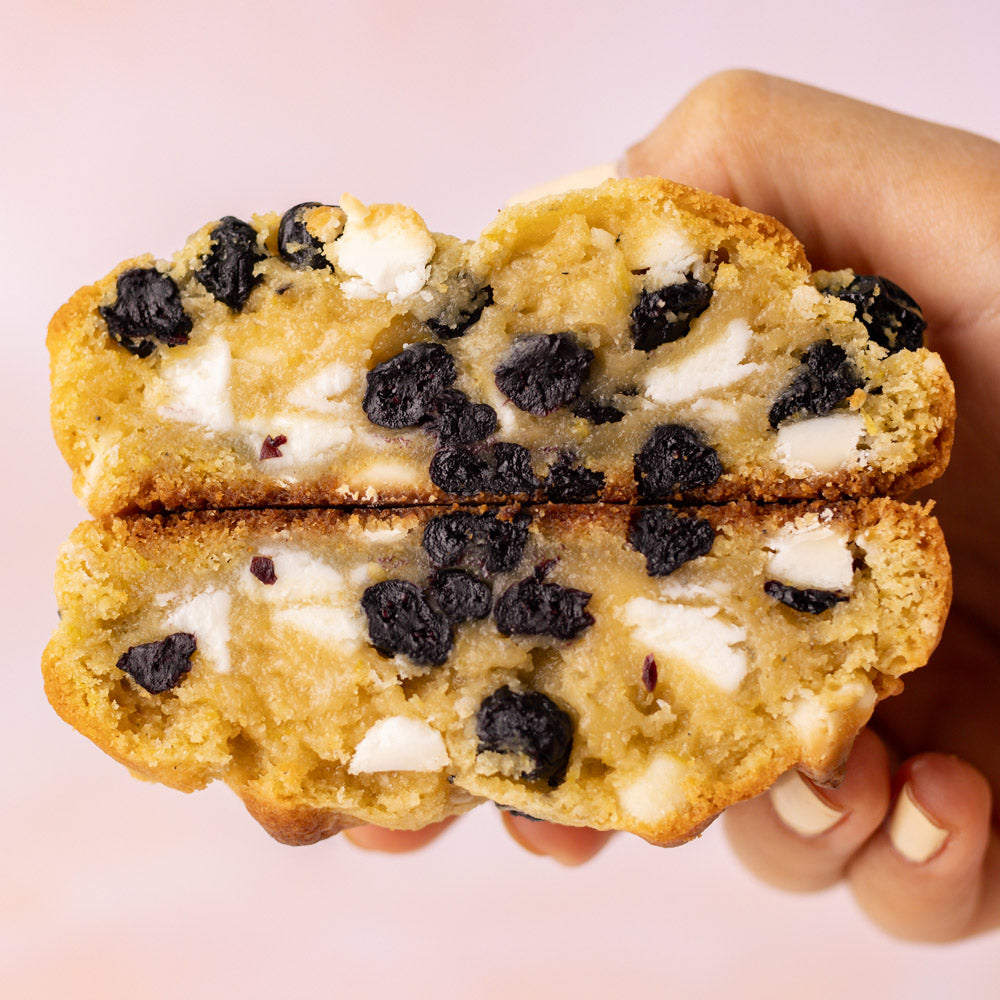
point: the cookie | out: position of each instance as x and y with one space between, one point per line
639 341
606 666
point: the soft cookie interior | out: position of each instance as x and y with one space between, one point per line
598 666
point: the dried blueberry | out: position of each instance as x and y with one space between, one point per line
825 378
528 723
296 244
532 607
570 482
270 447
811 601
512 472
675 458
665 315
159 666
649 673
890 316
227 270
542 372
262 567
505 541
401 391
459 421
504 468
401 621
466 301
461 472
668 540
148 309
596 412
448 536
459 595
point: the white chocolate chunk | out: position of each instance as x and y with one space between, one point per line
666 252
817 718
196 386
320 392
307 438
299 578
657 792
692 636
206 617
331 625
385 248
820 444
715 411
399 743
389 474
715 365
811 555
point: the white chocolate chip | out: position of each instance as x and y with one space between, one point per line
805 299
811 555
299 577
320 392
395 475
694 636
717 364
399 743
206 617
307 439
657 792
665 251
385 249
820 444
817 718
196 384
331 625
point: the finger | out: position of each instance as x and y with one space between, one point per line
375 838
801 837
859 185
933 872
569 845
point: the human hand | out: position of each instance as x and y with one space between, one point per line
913 828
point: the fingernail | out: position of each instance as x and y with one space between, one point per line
912 831
588 177
800 807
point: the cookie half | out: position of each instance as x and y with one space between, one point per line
639 341
620 668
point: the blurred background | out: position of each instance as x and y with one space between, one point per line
128 125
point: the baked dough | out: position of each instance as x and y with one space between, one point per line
565 356
592 665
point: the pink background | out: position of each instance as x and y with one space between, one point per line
126 127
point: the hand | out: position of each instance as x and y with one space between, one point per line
919 203
913 829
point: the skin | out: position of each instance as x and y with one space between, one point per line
881 193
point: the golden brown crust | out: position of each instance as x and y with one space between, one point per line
713 212
295 825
